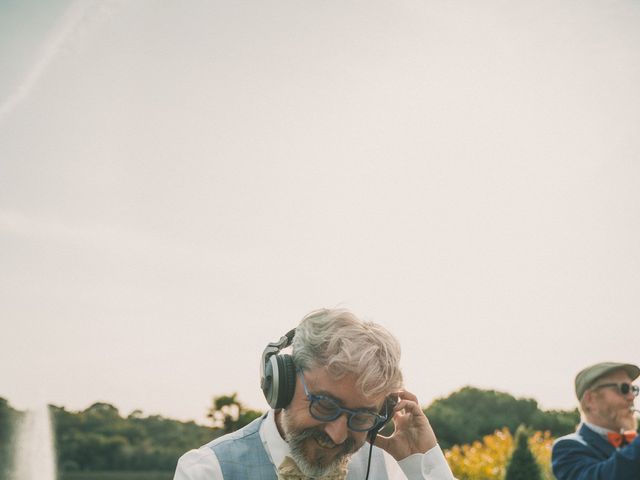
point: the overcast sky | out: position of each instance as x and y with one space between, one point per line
181 182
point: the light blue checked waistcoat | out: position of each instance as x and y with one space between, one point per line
242 457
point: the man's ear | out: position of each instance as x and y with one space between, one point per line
587 399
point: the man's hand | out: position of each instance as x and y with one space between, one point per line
412 434
629 422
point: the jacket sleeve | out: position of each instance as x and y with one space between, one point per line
573 460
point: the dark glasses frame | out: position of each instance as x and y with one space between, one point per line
339 410
623 388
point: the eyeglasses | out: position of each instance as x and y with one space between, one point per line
623 388
326 409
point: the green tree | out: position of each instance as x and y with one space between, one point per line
228 413
6 427
99 438
558 422
8 420
522 465
471 413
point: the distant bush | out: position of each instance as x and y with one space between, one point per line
470 413
100 439
488 459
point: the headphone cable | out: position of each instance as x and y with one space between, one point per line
369 461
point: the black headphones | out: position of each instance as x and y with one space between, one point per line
278 372
278 378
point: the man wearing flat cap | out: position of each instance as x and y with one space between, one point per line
605 446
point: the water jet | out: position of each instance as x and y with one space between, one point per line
33 451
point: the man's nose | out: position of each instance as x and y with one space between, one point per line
337 429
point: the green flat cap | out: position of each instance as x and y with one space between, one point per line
589 375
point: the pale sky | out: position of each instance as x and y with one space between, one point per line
181 182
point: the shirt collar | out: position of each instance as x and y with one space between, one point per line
601 430
277 448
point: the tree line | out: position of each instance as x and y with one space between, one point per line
100 438
470 413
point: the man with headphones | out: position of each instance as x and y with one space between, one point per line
329 398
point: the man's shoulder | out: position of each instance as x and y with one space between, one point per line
252 428
204 462
195 457
573 438
204 453
584 441
198 464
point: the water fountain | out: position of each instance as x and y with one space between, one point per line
34 454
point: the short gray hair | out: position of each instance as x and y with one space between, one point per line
337 340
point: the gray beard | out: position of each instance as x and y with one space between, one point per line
296 440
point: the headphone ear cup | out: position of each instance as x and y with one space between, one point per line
287 380
278 372
268 383
279 382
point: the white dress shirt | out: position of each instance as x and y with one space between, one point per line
202 464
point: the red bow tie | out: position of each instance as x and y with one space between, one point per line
621 439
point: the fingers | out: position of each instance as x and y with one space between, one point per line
412 432
403 394
409 403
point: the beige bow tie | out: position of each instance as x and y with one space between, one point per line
288 470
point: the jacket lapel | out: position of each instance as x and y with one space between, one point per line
597 442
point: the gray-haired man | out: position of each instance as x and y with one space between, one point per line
328 398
